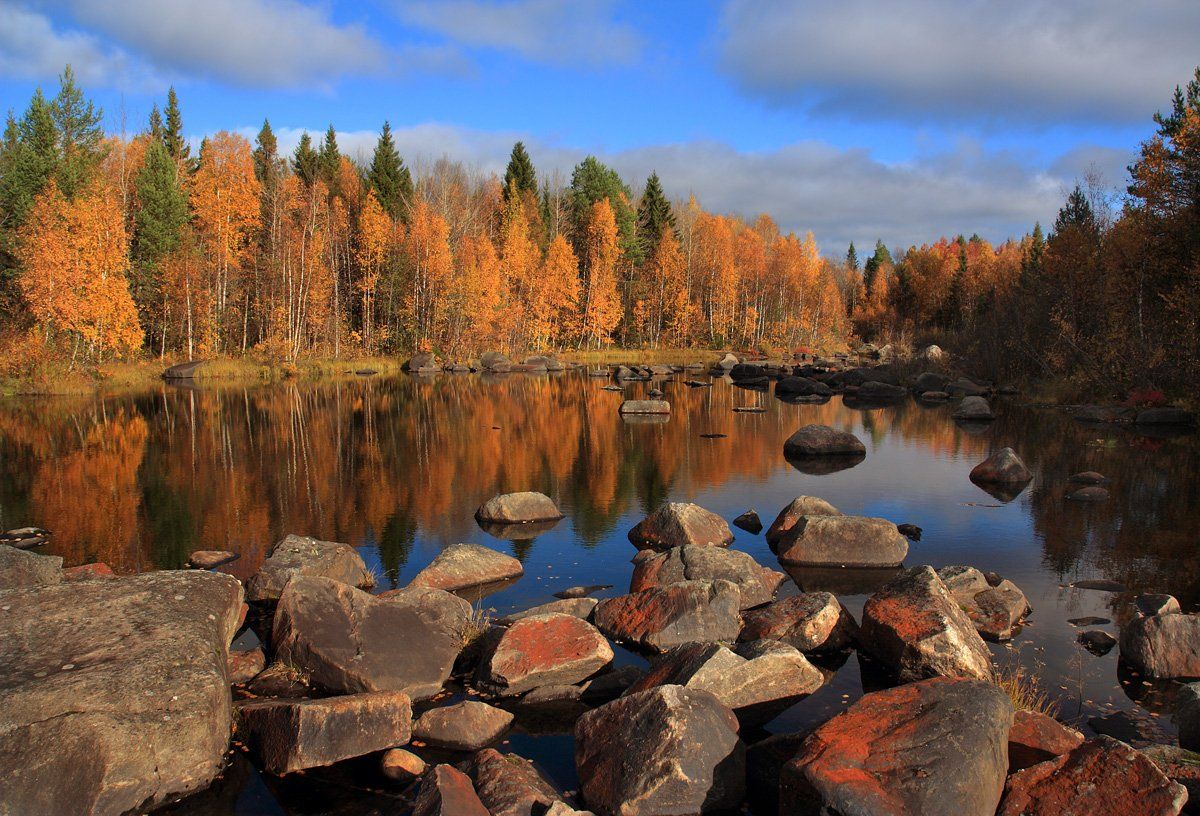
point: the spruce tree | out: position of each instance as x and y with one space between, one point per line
519 174
266 155
157 131
852 258
80 137
305 160
30 159
653 216
329 159
389 178
177 146
591 181
1076 212
160 220
1031 262
874 263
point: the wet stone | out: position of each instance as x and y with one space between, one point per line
466 726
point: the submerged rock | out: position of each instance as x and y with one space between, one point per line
1090 494
518 508
812 622
677 523
543 650
699 562
665 616
576 607
842 541
821 440
463 566
581 591
1003 467
1163 645
795 509
302 555
465 726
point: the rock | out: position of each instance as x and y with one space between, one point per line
495 361
799 506
752 679
302 555
466 726
1088 477
934 396
1102 777
576 607
291 735
581 591
422 363
280 680
665 616
610 685
915 629
1095 413
747 374
996 611
1165 416
25 538
1037 737
645 407
1180 766
245 665
679 753
726 363
801 387
699 562
962 387
518 508
88 572
749 521
543 650
447 791
400 765
210 559
1089 620
1157 604
845 541
545 361
1136 728
929 381
821 440
872 390
348 641
563 809
974 409
1163 645
509 785
1097 641
20 569
654 393
1187 716
463 566
931 353
1092 493
183 371
932 748
677 523
1002 467
115 696
811 622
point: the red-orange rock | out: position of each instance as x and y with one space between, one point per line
510 785
662 617
544 650
446 791
245 665
462 566
85 571
1038 737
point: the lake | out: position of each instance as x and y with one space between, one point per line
398 466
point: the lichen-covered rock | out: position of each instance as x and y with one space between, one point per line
510 785
796 509
678 523
996 611
1037 737
518 508
544 650
463 566
842 541
665 616
447 791
465 726
1003 467
1163 645
245 665
699 562
302 555
812 622
821 440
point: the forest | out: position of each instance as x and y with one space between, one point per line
120 247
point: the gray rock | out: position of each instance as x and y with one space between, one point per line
25 569
749 521
645 407
465 566
1002 467
795 509
1187 716
1090 494
1097 641
874 390
1163 645
665 616
929 381
1088 477
699 562
821 440
811 622
576 607
974 409
518 508
677 523
465 726
302 555
845 541
1157 604
996 611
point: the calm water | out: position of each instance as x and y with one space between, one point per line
397 467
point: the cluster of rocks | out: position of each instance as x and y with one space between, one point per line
492 362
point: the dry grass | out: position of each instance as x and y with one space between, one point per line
1024 688
476 625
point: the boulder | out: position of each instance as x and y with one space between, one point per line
748 374
811 622
645 407
1096 413
1165 416
302 555
821 440
495 361
802 387
1187 716
510 785
929 381
932 353
210 559
1089 477
726 363
677 523
872 390
1091 494
666 750
665 616
292 735
20 569
845 541
1163 645
347 641
543 650
422 363
400 765
915 629
749 521
88 572
996 611
1037 737
581 591
447 791
466 726
245 665
699 562
1180 766
798 507
974 409
933 748
115 695
463 566
1003 467
1156 604
576 607
1097 641
1101 777
518 508
962 387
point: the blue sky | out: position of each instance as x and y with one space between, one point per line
856 119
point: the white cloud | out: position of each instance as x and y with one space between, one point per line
1021 60
560 32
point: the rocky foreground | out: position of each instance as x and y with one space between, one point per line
121 694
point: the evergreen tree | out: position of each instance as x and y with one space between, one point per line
874 264
29 160
852 258
953 302
305 160
177 146
157 229
1032 260
157 131
389 178
519 174
654 214
329 159
1075 213
266 155
80 137
591 181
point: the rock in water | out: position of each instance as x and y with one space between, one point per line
400 765
933 748
662 617
509 785
1091 493
1002 467
1163 645
821 440
210 559
812 622
914 627
798 507
576 607
462 566
544 650
645 407
348 641
749 521
291 735
1102 777
301 555
667 750
518 508
19 569
842 541
1165 416
1037 737
974 409
466 726
115 694
447 791
996 611
678 523
698 562
1157 604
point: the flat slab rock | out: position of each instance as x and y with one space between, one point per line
462 566
698 562
666 750
796 509
543 650
842 541
1163 645
292 735
115 692
662 617
302 555
575 607
821 440
645 407
211 559
1102 777
678 523
811 622
518 508
937 747
465 726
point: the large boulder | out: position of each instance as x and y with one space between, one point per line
811 622
652 406
495 361
1003 467
666 750
447 791
699 562
842 541
790 387
665 616
1102 777
465 726
115 696
464 566
1187 716
796 509
1163 645
725 364
302 555
677 523
996 611
292 735
934 748
25 569
974 409
576 607
874 391
748 374
348 641
518 508
821 440
510 785
929 381
543 650
423 362
915 629
1037 737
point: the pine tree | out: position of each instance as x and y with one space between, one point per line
1075 213
592 181
852 258
389 178
158 225
520 175
654 214
305 160
156 129
956 294
266 155
177 146
80 137
874 264
329 160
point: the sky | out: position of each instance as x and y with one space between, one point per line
855 119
